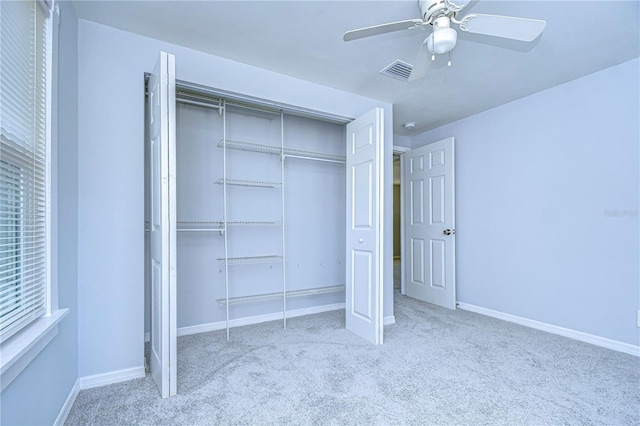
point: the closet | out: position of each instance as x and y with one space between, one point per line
260 211
256 211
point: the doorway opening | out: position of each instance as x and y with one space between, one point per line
397 233
398 220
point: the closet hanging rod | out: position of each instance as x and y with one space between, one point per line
249 260
198 222
302 157
279 295
200 230
253 183
196 103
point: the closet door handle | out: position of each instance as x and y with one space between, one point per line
361 240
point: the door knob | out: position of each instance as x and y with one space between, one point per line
449 231
361 240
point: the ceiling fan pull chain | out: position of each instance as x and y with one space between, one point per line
435 31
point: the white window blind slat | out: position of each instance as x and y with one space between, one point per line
23 164
23 317
19 315
21 301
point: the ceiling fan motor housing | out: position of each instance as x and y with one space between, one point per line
431 8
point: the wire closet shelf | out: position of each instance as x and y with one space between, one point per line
195 96
280 295
276 150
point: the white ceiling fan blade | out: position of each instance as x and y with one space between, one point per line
523 29
381 29
421 64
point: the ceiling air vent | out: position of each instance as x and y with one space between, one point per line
398 70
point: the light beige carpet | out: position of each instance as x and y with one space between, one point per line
436 367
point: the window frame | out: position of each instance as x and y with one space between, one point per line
22 346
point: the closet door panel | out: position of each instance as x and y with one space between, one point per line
161 125
365 141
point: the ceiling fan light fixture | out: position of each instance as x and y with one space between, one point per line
410 125
442 40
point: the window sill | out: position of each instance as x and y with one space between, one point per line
21 349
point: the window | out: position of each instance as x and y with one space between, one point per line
24 122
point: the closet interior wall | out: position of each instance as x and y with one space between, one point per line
285 198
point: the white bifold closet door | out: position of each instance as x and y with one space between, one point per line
365 137
162 118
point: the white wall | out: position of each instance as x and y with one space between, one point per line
37 394
537 181
111 67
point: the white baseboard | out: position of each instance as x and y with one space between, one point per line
391 319
239 322
68 403
88 382
550 328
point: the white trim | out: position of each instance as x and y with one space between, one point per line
112 377
380 234
51 302
397 149
388 320
403 227
19 350
554 329
68 403
257 319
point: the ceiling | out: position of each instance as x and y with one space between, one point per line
303 39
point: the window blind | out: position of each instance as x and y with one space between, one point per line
23 163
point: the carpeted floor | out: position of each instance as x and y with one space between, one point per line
436 367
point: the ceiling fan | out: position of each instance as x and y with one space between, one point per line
440 14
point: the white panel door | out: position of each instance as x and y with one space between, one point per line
161 115
365 139
430 223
